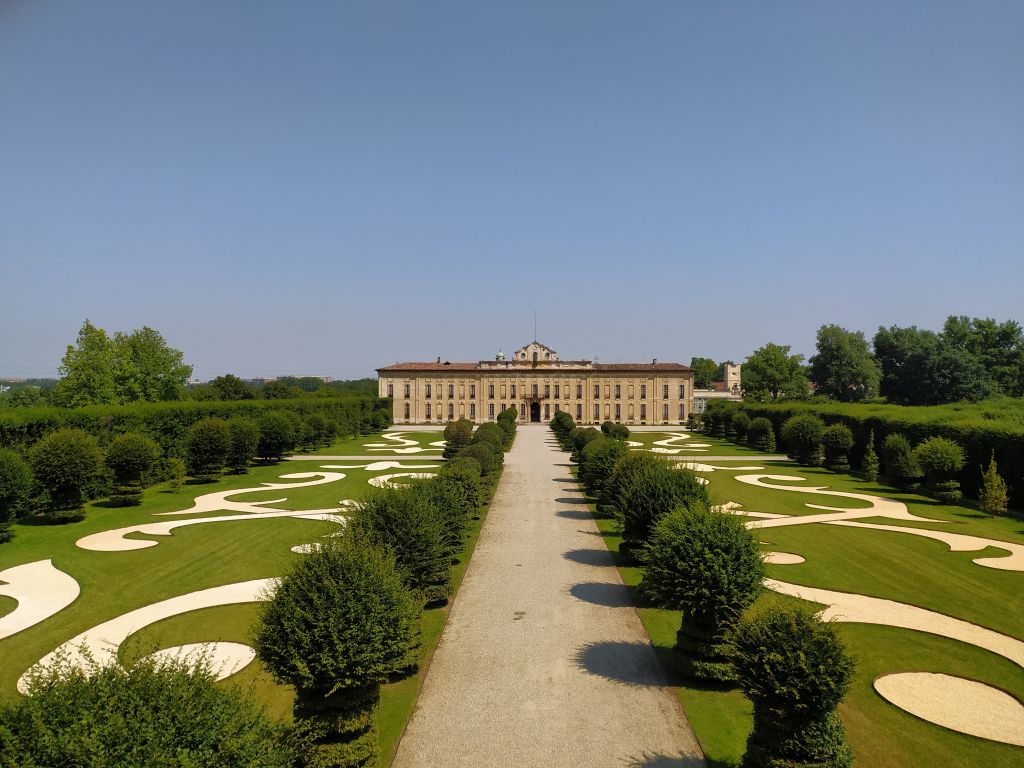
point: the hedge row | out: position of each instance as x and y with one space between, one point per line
167 423
996 425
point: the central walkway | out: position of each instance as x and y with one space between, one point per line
544 661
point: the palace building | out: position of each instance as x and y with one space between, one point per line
538 385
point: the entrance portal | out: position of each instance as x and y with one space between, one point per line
535 412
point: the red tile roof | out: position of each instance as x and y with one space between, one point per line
554 366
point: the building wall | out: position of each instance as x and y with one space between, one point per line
472 394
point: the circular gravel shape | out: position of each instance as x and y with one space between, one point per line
225 659
956 703
783 558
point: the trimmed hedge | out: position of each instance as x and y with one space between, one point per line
979 428
167 423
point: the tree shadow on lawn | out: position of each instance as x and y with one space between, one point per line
590 556
630 663
609 595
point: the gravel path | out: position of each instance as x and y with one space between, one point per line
544 662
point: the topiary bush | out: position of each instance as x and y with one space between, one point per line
940 459
837 442
507 422
207 446
619 431
802 434
405 522
130 456
740 426
67 466
794 669
15 490
490 434
579 439
597 460
707 423
452 495
993 497
869 462
482 454
245 441
150 713
277 436
900 464
457 435
761 435
562 424
710 567
337 625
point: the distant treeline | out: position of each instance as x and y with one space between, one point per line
979 428
167 422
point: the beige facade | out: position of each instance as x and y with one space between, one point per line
537 384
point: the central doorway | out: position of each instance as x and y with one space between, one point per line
535 412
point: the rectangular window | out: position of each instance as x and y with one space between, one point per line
557 395
557 409
547 411
406 391
547 390
607 411
407 411
579 410
513 388
607 391
522 411
579 391
643 412
618 412
682 412
535 389
428 411
502 408
643 391
664 412
426 392
664 391
451 391
597 391
472 410
391 390
618 391
451 412
597 411
472 391
504 393
462 391
490 391
682 391
490 410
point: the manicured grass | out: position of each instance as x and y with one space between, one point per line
889 565
718 447
198 557
356 446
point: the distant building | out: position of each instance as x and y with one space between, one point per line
538 385
730 389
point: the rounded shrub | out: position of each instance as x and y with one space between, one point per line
606 427
707 423
562 424
405 522
837 441
457 435
482 454
597 460
619 431
452 499
67 465
150 713
491 434
740 426
940 459
761 435
245 441
15 490
795 671
709 566
130 456
277 436
579 439
801 434
900 464
337 625
206 448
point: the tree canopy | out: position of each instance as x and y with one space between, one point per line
844 368
771 372
704 371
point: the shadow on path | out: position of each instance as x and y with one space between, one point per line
574 514
598 593
652 760
631 663
589 556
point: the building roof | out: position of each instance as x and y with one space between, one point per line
584 365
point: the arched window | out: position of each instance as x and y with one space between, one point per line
535 356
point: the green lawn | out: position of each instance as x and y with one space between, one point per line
193 558
889 565
356 446
717 447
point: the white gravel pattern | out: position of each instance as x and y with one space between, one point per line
41 590
544 661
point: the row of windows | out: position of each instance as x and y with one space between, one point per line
547 411
428 391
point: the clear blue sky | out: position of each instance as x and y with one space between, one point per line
325 187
